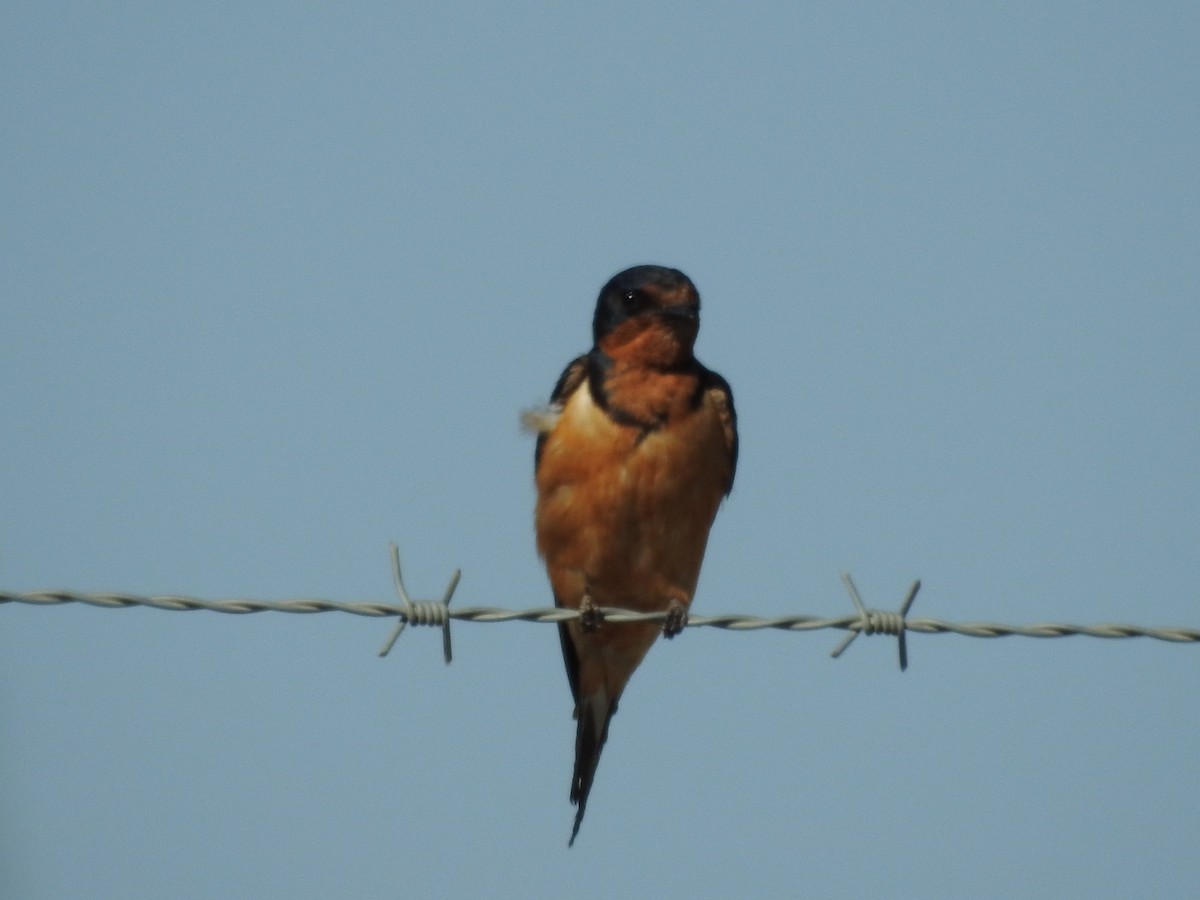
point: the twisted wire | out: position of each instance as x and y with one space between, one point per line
438 613
878 621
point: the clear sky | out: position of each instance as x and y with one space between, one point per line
276 280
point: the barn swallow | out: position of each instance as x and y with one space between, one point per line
634 455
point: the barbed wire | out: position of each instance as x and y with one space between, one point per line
438 613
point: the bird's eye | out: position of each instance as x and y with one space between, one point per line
633 301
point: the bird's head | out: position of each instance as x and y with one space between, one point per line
647 315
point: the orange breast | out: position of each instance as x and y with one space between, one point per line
627 513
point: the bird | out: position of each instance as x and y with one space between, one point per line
635 453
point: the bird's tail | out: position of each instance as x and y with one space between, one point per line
591 731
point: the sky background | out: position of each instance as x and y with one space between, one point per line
276 280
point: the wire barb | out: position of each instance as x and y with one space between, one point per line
420 612
878 621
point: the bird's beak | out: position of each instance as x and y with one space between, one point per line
686 311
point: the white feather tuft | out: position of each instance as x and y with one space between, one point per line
540 419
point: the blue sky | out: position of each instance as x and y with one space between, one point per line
276 281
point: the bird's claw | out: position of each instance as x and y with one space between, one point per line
589 615
676 620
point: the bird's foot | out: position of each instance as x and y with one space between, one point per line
589 615
677 618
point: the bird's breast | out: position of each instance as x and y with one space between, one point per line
627 506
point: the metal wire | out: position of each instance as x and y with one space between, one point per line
609 614
438 613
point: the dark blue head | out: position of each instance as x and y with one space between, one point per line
645 291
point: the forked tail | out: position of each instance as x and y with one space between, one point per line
591 731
